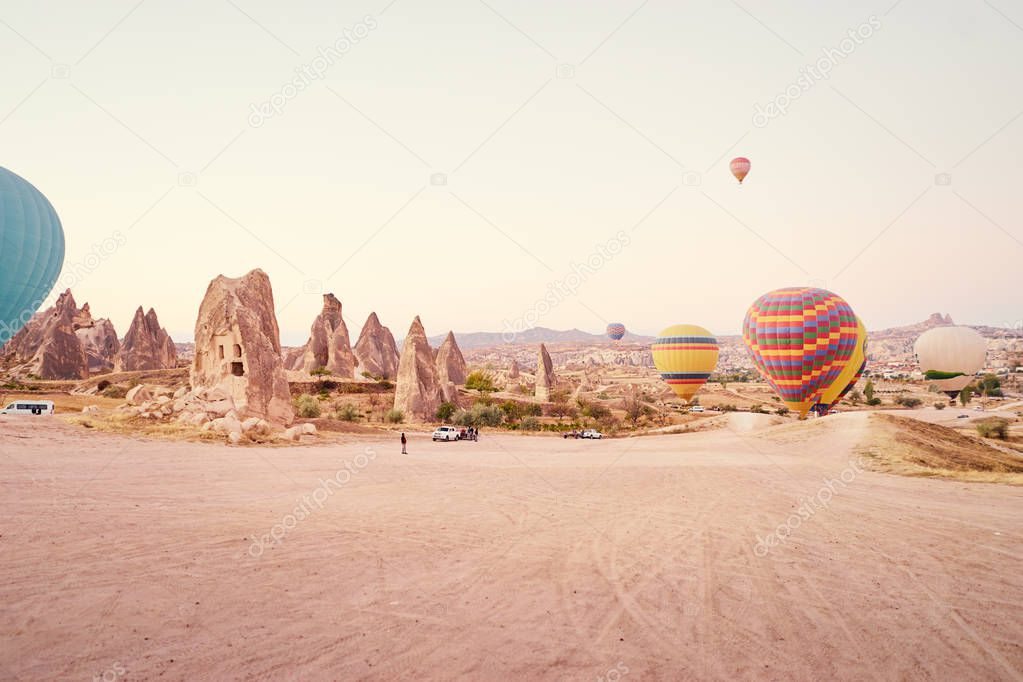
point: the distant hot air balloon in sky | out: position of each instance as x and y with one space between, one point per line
945 352
739 166
31 251
848 377
615 331
801 339
685 355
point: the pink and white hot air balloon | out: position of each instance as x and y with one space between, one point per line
740 167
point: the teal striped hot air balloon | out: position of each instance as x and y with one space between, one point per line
31 251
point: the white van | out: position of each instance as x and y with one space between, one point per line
29 407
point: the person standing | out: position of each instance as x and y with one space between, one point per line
404 442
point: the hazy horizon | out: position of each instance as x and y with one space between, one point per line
565 134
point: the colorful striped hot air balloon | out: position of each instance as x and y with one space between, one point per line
739 166
850 374
801 339
685 355
615 331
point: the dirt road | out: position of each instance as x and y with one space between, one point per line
720 555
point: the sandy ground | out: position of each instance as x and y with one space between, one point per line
534 557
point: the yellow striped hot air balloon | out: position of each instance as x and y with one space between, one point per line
850 374
685 355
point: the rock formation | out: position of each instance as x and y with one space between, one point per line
328 346
513 371
238 350
418 390
544 374
48 346
375 350
146 345
98 339
450 363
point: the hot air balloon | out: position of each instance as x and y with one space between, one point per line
950 351
31 251
800 339
685 355
850 374
615 331
739 166
950 356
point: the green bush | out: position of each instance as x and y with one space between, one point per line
445 410
995 427
479 415
530 424
394 416
908 402
873 402
939 405
347 413
512 410
481 381
307 406
320 372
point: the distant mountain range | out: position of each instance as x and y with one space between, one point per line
536 335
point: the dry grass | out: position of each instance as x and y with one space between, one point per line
130 425
909 447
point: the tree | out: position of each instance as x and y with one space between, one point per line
480 381
636 410
965 396
868 390
989 385
855 396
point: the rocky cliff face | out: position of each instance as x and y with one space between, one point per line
98 339
147 345
328 346
513 370
48 346
418 390
375 350
544 374
238 348
450 363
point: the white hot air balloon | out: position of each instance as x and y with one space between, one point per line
951 351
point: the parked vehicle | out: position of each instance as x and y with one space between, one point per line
445 433
592 433
571 434
29 407
696 408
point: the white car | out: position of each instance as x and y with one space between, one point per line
445 433
592 433
696 408
29 407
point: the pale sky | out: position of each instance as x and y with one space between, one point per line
558 125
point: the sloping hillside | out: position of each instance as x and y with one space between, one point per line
910 447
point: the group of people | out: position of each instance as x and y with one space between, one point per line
471 433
